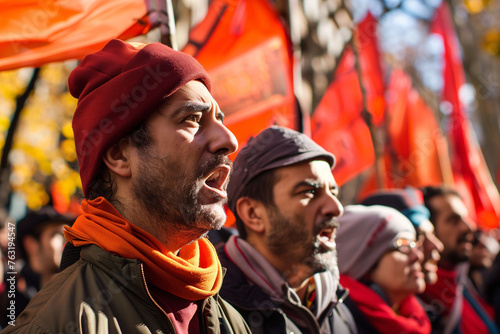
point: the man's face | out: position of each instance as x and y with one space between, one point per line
431 247
303 224
182 177
454 228
46 259
484 251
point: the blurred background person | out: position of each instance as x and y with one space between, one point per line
380 264
484 251
410 202
491 287
39 244
451 305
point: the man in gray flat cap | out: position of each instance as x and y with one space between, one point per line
282 268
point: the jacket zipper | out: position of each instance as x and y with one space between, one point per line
154 301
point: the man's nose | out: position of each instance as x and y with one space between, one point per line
222 140
433 243
332 206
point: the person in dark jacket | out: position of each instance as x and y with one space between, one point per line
452 305
282 272
153 157
492 289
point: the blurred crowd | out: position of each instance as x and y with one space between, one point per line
411 252
38 245
150 253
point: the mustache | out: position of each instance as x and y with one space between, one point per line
328 223
212 163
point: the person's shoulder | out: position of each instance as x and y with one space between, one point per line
230 317
26 328
46 306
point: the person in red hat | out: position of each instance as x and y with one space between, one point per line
153 158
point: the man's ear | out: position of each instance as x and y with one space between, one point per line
252 213
117 158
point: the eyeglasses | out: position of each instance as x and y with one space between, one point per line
404 246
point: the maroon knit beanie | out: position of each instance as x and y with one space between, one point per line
117 89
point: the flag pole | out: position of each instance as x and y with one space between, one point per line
168 30
290 10
367 116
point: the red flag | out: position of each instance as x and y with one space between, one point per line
244 47
470 171
416 151
337 123
33 33
415 144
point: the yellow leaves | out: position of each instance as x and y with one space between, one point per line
12 84
491 42
476 6
67 130
4 123
54 75
43 149
36 195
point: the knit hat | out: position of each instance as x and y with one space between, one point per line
117 89
365 234
272 148
408 201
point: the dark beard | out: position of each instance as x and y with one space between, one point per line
168 194
287 240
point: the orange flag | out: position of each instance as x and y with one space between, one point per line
33 33
416 146
244 47
471 174
416 151
337 123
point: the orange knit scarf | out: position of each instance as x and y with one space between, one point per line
194 274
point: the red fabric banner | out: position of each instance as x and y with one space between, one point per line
337 123
416 147
416 152
244 47
471 174
33 33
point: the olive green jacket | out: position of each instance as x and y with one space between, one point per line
105 293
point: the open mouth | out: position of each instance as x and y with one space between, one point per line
326 239
217 180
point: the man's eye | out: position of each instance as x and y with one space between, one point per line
193 118
309 191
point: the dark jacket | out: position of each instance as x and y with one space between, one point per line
105 293
265 316
492 288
